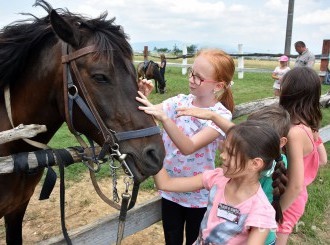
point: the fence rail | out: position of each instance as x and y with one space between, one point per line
324 59
21 131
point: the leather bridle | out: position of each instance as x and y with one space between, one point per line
111 138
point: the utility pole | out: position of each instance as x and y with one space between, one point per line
288 35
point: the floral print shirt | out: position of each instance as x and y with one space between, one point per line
179 165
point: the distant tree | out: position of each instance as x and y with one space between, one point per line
155 49
163 50
191 49
176 50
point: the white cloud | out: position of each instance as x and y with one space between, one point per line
317 17
258 24
277 5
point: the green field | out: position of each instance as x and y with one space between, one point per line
253 86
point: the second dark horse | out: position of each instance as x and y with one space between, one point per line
150 70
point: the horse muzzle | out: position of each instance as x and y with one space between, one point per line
150 163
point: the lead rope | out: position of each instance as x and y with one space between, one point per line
123 213
62 198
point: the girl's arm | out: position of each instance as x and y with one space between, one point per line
185 144
180 184
322 154
274 76
323 158
257 236
295 150
221 122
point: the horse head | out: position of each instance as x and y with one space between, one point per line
107 75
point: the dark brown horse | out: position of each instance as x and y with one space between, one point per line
150 70
32 64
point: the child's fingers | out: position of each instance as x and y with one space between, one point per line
183 111
144 101
142 95
148 110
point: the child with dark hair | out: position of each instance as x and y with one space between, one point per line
274 116
279 119
238 211
300 96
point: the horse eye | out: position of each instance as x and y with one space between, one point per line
100 78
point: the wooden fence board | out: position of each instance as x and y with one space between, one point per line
325 133
104 231
7 163
21 131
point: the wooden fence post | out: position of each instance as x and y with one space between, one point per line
184 59
240 62
145 53
324 59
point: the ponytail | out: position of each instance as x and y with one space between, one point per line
227 99
279 184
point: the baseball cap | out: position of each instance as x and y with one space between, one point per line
283 58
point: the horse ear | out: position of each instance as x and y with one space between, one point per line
64 30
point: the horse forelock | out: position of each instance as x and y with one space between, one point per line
110 39
22 39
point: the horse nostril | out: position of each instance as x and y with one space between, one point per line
153 158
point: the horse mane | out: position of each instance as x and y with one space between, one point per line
153 63
23 39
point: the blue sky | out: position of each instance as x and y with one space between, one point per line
259 25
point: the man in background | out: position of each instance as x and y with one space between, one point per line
305 57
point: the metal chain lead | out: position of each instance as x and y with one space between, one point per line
113 174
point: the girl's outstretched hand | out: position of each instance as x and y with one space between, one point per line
145 86
150 108
195 112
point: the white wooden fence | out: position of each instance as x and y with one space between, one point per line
240 66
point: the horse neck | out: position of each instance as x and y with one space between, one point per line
37 95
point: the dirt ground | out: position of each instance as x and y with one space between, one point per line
83 206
